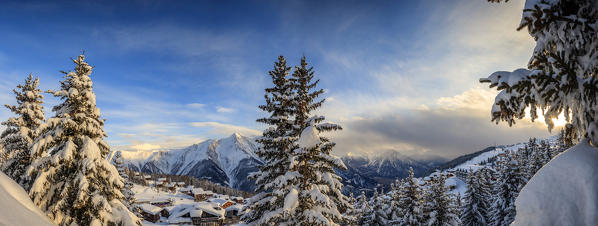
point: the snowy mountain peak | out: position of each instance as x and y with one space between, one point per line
226 161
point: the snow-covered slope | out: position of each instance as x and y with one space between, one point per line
226 161
481 160
563 192
15 206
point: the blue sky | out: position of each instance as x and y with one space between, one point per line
169 74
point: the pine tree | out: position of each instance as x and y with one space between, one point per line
512 180
366 216
74 182
378 215
20 131
412 202
441 208
561 75
395 211
275 179
352 214
128 184
473 206
320 196
489 189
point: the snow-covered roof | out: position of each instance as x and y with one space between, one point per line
218 201
180 183
201 191
195 213
148 208
162 179
237 207
147 177
210 208
197 191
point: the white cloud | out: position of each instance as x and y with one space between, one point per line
196 105
224 109
454 126
145 147
225 129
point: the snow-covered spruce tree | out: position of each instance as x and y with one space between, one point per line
20 131
562 73
128 184
375 215
379 210
352 215
547 152
395 211
366 215
473 206
320 200
74 182
489 190
440 206
274 181
512 178
412 201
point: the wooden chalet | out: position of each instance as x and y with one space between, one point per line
150 212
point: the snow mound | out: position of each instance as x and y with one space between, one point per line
309 138
16 207
563 192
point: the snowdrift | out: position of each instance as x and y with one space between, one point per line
563 192
16 207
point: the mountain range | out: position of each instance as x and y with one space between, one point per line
229 161
226 161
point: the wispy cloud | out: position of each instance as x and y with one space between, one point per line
224 109
222 129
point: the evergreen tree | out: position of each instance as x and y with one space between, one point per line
320 198
473 207
20 131
74 182
274 180
441 208
352 214
412 202
128 184
366 217
489 190
561 75
378 210
512 180
395 211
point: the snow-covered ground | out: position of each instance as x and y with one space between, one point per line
474 163
563 192
16 207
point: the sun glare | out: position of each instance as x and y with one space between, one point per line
558 122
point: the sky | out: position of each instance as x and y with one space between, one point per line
399 76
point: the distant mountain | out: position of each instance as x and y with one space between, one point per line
229 161
226 161
365 173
